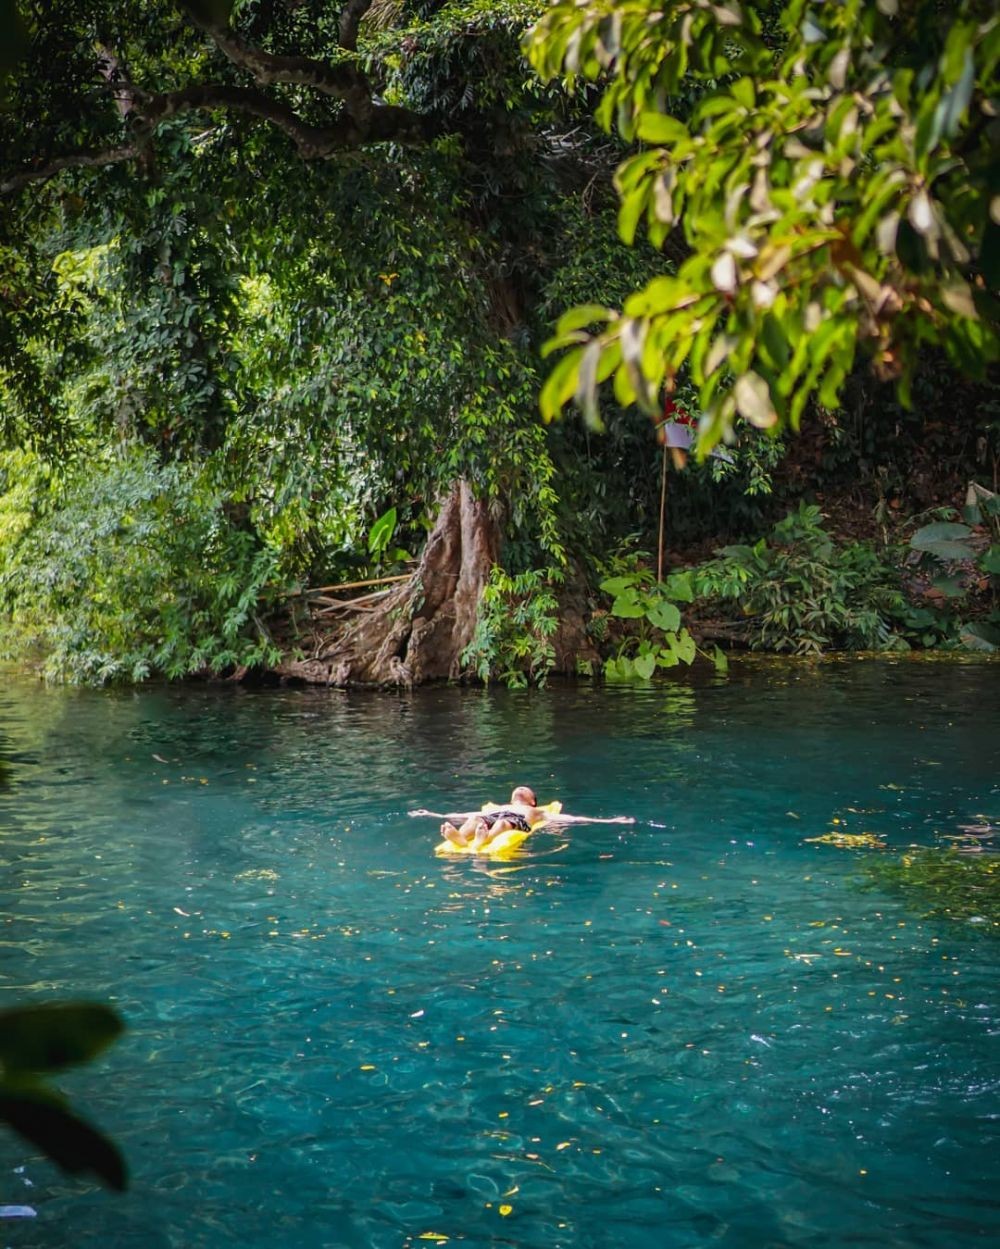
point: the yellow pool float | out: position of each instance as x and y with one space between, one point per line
504 845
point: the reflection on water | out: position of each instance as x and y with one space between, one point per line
697 1030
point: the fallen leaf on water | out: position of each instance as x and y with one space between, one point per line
563 1145
440 1237
505 1210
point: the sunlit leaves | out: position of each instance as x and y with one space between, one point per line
834 198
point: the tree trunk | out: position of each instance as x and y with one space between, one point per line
419 631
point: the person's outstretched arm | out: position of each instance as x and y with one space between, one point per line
563 818
444 815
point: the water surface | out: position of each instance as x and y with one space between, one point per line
700 1031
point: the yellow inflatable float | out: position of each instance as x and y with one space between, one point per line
504 845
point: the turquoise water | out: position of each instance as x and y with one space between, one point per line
700 1031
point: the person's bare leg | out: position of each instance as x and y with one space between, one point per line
486 834
461 836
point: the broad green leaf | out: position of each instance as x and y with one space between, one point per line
615 585
944 539
619 669
627 607
949 550
664 615
644 665
680 587
686 648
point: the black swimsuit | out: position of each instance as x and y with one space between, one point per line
514 818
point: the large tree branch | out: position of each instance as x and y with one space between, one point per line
74 160
344 79
383 123
350 19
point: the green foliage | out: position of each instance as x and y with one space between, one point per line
801 593
127 570
517 620
658 639
35 1042
834 179
953 556
380 536
944 540
944 883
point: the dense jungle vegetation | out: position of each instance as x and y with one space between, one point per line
286 285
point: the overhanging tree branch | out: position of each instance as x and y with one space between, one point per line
384 123
350 19
74 160
344 79
359 120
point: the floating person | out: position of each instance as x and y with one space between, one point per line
499 827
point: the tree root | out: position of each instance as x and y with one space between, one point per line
418 631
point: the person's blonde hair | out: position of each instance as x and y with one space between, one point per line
523 794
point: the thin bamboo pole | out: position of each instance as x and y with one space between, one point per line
663 513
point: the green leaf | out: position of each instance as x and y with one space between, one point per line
644 665
627 607
659 128
948 530
560 385
632 206
991 561
579 318
381 532
680 587
720 660
619 669
664 615
51 1037
615 585
948 550
42 1118
943 540
686 649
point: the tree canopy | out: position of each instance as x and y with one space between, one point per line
834 167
